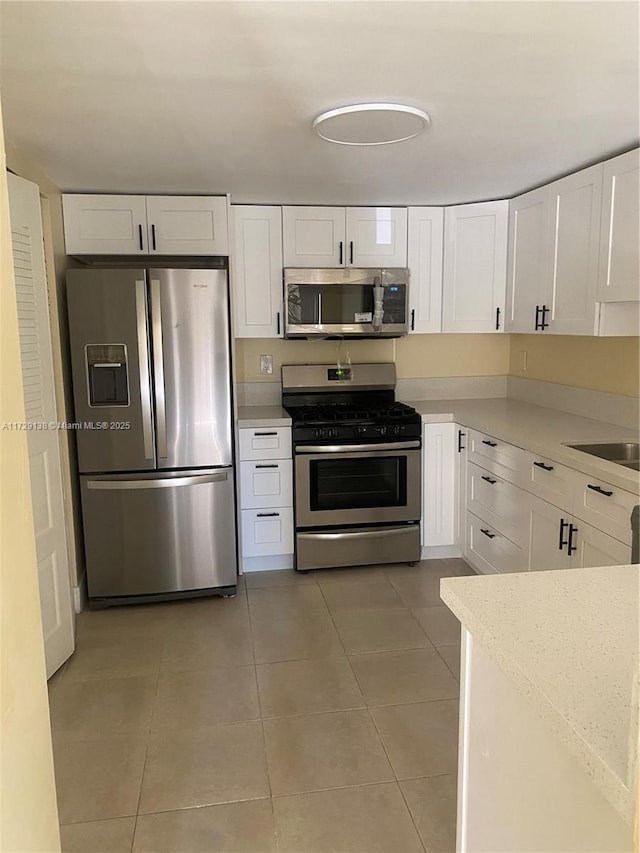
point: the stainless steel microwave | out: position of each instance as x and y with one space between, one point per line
346 303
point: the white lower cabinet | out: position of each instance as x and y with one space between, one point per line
491 551
549 530
438 485
460 523
498 502
266 498
595 548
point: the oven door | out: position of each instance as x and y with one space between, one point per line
357 484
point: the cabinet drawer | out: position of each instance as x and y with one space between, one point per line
604 506
267 531
266 484
265 443
505 460
492 552
551 482
499 503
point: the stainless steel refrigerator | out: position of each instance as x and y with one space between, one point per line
150 354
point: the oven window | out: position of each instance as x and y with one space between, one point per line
351 483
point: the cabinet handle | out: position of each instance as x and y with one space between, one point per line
460 445
487 533
340 253
140 237
544 325
413 319
490 443
278 323
497 319
599 490
265 433
537 325
571 547
543 466
561 542
153 237
267 514
266 466
350 251
489 480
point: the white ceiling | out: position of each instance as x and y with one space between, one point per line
207 97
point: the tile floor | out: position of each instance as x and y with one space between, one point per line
312 713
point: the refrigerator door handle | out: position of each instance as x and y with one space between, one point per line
158 369
163 483
143 366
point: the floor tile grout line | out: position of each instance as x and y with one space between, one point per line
413 821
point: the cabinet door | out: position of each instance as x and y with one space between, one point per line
256 271
528 263
595 548
475 259
187 225
438 484
376 237
548 536
460 526
574 240
498 502
313 236
426 233
619 274
105 224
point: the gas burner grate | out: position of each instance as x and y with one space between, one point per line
347 413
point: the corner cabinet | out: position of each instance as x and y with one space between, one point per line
424 258
256 271
475 261
619 273
344 237
145 225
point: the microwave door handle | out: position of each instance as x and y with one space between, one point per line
378 294
319 308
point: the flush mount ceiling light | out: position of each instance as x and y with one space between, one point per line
371 124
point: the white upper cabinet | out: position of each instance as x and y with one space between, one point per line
570 294
424 258
313 236
376 237
145 225
105 224
528 260
619 274
475 260
256 271
344 237
187 225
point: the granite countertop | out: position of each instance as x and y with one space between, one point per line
262 416
539 430
569 642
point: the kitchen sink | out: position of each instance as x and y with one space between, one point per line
626 453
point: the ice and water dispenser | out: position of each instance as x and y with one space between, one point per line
108 374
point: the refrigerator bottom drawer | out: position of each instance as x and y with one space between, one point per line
358 547
160 533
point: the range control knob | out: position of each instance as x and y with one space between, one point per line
332 433
397 429
318 433
359 430
382 430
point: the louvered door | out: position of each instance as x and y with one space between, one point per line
41 419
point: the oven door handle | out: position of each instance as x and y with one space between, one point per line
357 448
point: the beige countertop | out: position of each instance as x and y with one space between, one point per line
539 430
569 642
262 416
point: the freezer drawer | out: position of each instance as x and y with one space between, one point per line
149 534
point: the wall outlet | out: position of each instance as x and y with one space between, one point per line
523 360
266 365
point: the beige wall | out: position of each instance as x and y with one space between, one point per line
56 261
600 364
416 356
28 813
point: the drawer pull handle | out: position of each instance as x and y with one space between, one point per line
265 433
267 514
599 490
490 443
561 542
266 466
488 533
543 466
489 480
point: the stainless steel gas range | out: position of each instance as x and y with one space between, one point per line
357 466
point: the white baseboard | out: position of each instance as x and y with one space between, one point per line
439 552
267 564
